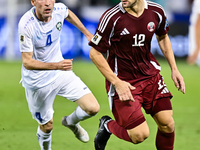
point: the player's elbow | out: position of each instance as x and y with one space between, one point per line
93 54
27 65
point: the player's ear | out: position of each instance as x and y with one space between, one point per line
33 2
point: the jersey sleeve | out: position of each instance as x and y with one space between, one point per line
101 39
61 9
25 37
163 26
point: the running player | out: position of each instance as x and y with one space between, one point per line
194 34
133 81
45 73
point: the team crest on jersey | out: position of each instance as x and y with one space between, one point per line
59 26
151 26
22 38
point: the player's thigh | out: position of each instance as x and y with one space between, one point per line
130 116
75 90
127 114
88 103
40 104
72 87
165 121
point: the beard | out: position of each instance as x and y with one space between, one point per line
129 5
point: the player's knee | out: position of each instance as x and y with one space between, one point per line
48 127
93 109
139 137
168 126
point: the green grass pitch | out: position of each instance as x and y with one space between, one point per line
18 129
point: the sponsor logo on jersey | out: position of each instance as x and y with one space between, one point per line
125 32
22 38
96 39
59 26
151 26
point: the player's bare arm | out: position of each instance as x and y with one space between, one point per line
123 88
166 48
192 58
32 64
73 19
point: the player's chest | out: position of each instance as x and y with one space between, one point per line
45 35
136 28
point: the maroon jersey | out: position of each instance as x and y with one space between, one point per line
127 41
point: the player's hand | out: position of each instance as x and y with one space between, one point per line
178 81
123 89
65 64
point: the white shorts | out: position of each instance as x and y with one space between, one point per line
40 101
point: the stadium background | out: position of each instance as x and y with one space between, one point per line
73 43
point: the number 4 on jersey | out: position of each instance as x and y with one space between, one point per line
49 41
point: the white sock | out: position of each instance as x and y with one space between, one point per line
78 115
44 139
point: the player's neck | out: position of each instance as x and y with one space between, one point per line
39 17
137 9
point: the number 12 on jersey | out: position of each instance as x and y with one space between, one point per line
139 40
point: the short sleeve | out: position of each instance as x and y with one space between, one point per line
163 26
25 38
61 9
101 39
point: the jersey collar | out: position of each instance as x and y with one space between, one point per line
34 14
121 7
146 5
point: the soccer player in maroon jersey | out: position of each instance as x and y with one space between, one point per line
132 73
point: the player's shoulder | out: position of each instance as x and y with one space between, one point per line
117 9
59 7
155 7
27 19
113 12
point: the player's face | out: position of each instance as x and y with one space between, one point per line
43 9
128 3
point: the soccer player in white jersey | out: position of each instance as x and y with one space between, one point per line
194 35
45 73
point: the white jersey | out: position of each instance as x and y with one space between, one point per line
193 19
43 39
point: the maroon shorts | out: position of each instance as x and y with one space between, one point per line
152 95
